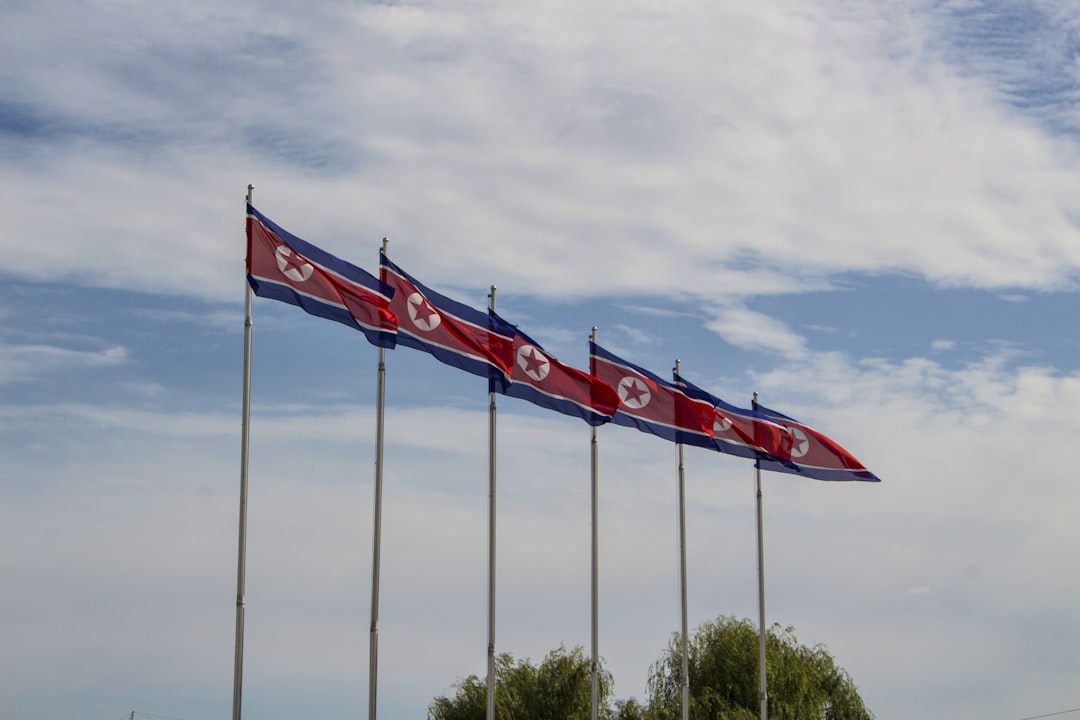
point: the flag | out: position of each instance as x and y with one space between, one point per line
455 334
284 267
650 404
746 433
814 454
538 377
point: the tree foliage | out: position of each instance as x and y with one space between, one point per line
804 683
560 687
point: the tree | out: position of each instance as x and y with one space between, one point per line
804 683
559 689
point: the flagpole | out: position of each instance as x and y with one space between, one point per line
241 562
595 669
491 544
762 685
376 545
684 643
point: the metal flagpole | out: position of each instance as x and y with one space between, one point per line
245 417
376 545
684 642
762 685
491 545
595 571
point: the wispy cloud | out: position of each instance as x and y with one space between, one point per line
221 319
700 157
1025 48
635 334
925 551
23 363
564 163
750 329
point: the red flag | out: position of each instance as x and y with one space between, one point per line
454 333
538 377
742 432
814 454
284 267
653 405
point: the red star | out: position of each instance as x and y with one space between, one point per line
424 311
801 444
721 422
534 362
293 261
634 390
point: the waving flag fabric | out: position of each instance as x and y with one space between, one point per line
284 267
814 454
455 334
538 377
650 404
746 433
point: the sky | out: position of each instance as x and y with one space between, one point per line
869 213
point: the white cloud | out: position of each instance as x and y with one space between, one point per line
749 329
146 389
706 152
221 319
636 335
965 456
23 363
569 152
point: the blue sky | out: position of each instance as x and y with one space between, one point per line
868 213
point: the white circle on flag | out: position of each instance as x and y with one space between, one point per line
291 265
634 393
801 446
422 314
721 424
533 362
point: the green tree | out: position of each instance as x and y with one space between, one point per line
560 688
804 683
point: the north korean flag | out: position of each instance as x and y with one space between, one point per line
284 267
650 404
541 379
813 454
452 332
746 433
